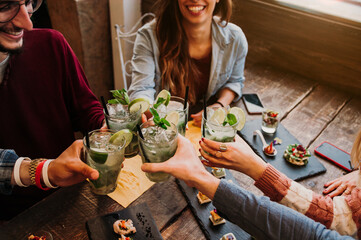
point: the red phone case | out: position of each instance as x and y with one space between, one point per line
336 163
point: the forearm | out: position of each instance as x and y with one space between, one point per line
226 96
265 219
206 183
334 214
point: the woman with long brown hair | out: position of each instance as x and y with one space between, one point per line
190 43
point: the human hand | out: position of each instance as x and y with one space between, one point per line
342 185
68 169
185 165
104 126
197 118
238 156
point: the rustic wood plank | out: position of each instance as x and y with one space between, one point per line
277 89
341 132
71 207
301 42
308 119
186 227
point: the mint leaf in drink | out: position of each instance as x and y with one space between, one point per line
114 101
165 122
230 119
160 100
160 122
154 112
120 96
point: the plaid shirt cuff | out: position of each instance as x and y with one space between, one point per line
7 162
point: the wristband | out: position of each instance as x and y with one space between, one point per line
39 168
220 103
32 169
17 172
45 175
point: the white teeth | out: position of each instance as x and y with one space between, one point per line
196 9
15 33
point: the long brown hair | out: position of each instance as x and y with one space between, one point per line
177 70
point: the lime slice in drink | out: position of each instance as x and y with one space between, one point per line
98 155
165 95
142 103
218 116
238 112
120 136
173 117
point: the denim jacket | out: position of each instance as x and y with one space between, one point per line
7 162
229 50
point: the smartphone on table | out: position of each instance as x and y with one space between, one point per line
253 103
334 154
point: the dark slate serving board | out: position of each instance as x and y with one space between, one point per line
201 213
293 172
101 227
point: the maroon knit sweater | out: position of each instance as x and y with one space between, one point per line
44 98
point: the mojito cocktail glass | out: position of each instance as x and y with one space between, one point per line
120 118
104 157
157 146
176 104
216 131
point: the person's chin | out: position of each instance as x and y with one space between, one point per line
16 49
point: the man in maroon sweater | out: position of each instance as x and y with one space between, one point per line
44 96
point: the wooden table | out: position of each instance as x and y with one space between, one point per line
311 112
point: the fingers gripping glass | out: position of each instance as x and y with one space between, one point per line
9 9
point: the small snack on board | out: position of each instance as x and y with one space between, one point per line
215 218
228 236
122 237
218 172
124 227
32 237
296 154
203 198
269 149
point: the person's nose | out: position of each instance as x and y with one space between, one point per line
22 19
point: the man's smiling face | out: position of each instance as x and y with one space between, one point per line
12 32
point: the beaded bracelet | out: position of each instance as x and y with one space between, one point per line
17 172
39 168
46 176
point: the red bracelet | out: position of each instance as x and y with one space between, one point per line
39 169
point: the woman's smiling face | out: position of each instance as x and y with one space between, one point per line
197 11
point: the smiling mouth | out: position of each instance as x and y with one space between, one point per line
196 9
17 33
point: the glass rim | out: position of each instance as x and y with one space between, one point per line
217 125
115 117
183 100
120 147
151 121
270 110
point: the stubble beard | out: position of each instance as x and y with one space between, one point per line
10 50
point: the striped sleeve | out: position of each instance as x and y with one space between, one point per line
334 214
7 162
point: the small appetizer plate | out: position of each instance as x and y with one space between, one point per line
258 132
